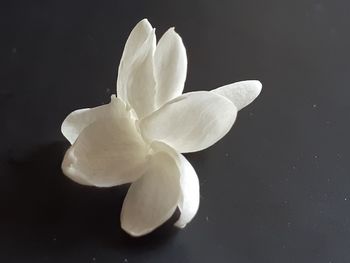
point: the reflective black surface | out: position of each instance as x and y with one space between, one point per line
275 189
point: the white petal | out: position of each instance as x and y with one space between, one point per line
108 152
191 122
241 93
76 121
170 67
152 199
135 40
136 84
189 201
189 183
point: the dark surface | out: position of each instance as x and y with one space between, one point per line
275 189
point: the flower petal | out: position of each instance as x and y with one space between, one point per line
108 152
189 199
191 122
76 121
135 40
241 93
170 67
152 199
136 84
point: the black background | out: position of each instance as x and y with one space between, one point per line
275 189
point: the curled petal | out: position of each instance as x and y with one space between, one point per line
170 67
136 84
241 93
76 121
191 122
152 199
189 199
108 152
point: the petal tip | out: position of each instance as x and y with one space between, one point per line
132 233
179 225
258 86
171 32
132 230
144 22
241 93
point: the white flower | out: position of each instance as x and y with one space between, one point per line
139 136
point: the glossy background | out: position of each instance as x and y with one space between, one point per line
275 189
